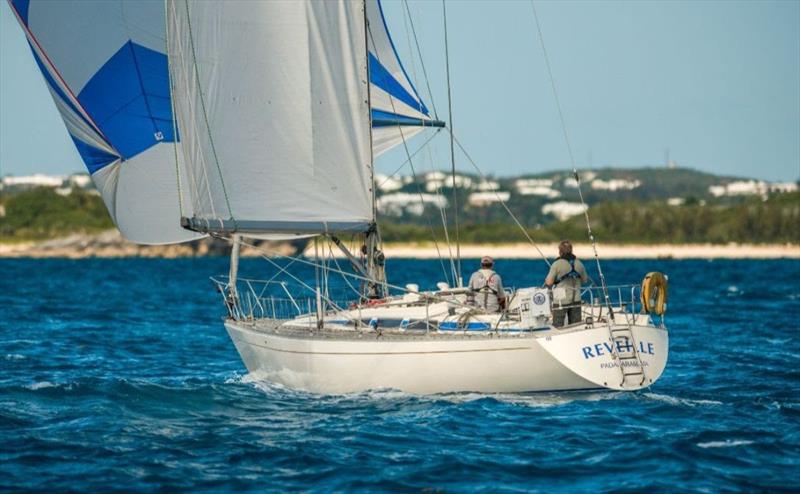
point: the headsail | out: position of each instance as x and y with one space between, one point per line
272 103
397 110
105 66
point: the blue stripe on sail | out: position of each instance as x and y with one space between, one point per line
382 118
48 78
130 101
420 105
94 158
21 6
381 77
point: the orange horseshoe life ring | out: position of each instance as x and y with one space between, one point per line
654 293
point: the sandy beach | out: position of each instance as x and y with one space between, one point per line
607 251
111 244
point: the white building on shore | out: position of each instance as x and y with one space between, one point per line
751 188
414 204
563 210
483 199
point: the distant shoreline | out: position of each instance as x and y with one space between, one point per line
110 244
607 251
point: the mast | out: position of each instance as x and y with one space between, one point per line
452 149
374 256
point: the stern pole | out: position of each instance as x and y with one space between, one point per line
233 274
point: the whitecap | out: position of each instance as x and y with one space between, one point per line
14 356
728 443
733 289
41 385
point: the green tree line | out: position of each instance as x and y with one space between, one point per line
776 220
41 213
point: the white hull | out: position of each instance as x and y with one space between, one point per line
552 359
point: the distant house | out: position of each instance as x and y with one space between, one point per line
615 184
482 199
676 201
35 180
485 185
751 187
62 185
533 182
436 180
388 184
540 191
563 210
414 204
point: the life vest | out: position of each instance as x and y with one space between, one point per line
572 272
654 293
486 289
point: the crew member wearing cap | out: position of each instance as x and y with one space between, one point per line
565 277
486 287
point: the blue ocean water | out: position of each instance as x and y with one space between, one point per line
117 375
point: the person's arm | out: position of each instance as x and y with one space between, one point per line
501 292
551 276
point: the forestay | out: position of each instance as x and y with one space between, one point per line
398 112
272 103
105 65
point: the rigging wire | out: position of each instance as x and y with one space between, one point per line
443 215
408 20
500 199
452 149
172 110
411 165
421 60
205 115
572 160
397 170
339 267
268 254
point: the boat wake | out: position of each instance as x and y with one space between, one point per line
672 400
262 382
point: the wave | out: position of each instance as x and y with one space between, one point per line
42 385
728 443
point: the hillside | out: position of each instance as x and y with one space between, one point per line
544 198
646 205
749 221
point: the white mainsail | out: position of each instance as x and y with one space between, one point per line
272 103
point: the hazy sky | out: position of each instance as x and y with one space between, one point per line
717 83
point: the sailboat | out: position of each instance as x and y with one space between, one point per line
262 120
